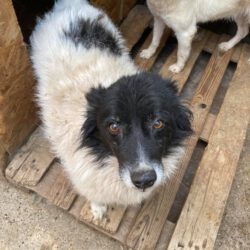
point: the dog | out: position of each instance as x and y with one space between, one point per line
183 15
117 130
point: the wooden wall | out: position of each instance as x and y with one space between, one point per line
17 110
117 10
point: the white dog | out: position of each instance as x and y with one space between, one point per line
183 15
118 131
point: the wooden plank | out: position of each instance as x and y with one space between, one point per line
3 160
31 162
126 223
109 223
112 8
17 110
9 28
236 53
59 191
202 213
148 226
166 235
13 60
146 64
123 229
126 6
182 77
208 126
140 16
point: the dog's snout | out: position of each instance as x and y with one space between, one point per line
143 180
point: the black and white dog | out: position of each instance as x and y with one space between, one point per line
118 131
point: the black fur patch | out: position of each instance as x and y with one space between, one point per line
93 34
135 101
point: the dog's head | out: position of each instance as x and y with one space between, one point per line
140 120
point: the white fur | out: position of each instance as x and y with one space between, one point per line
183 15
65 74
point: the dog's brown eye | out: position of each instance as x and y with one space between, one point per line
158 124
114 128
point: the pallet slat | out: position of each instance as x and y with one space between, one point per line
31 162
110 222
61 193
201 216
145 234
55 187
208 126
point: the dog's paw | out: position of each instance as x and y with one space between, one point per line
98 210
223 47
146 53
175 68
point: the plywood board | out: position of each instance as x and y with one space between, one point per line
17 110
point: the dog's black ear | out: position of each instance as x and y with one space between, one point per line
183 120
94 98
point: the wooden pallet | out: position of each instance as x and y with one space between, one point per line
147 226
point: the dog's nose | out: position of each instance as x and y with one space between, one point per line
143 180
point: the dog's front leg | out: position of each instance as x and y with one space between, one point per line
98 210
184 47
158 29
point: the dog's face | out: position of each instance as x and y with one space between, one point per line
139 120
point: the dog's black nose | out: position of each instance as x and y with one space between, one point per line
143 180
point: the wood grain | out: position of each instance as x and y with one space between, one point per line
140 16
112 8
117 10
59 191
31 162
17 110
3 160
9 28
109 223
166 235
201 216
208 126
147 228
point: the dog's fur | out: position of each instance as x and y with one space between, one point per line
183 15
87 81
